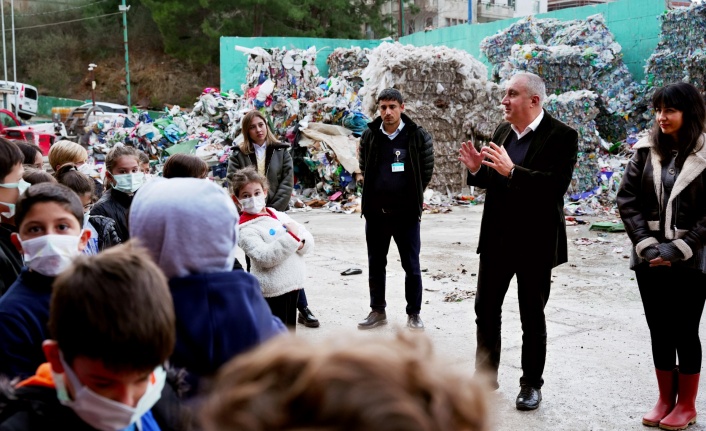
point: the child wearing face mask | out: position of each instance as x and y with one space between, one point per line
275 243
11 187
122 179
112 328
49 218
103 232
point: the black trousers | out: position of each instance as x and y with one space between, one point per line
533 286
285 307
379 230
673 299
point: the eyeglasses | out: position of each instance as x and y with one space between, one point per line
87 207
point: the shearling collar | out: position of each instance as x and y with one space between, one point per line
694 165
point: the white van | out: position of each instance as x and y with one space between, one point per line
27 98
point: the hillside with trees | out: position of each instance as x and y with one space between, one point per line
173 44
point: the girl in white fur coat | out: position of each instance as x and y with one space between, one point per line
275 243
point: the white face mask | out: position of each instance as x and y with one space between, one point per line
129 183
86 216
50 254
22 186
100 412
253 205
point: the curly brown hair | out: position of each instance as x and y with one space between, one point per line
354 385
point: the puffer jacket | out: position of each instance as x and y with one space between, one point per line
277 262
681 221
279 171
421 151
115 205
107 231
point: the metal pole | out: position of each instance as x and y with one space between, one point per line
401 23
91 68
470 11
14 57
124 10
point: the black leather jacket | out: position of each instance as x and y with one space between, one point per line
107 233
421 151
115 205
682 221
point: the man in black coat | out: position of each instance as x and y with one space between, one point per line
523 232
396 159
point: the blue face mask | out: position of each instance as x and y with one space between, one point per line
22 186
129 183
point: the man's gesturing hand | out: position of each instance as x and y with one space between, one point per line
470 157
498 159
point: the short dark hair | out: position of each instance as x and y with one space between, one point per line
114 307
686 98
245 176
77 181
391 94
48 192
184 166
10 156
29 151
36 176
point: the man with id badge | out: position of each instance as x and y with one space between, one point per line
396 159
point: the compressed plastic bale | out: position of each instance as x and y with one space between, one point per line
679 52
466 108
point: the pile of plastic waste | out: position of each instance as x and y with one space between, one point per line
446 91
573 55
348 63
680 55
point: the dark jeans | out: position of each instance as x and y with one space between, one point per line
673 299
285 307
533 285
379 230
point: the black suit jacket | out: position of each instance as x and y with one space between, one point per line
523 218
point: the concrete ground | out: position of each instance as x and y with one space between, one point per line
599 373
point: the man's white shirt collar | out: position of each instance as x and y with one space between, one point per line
394 134
532 126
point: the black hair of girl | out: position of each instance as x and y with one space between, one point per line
686 98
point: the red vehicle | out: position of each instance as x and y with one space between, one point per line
12 128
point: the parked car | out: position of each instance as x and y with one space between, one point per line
109 108
12 128
27 98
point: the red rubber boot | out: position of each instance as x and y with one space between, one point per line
667 384
684 412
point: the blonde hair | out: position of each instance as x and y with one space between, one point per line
246 147
366 384
64 151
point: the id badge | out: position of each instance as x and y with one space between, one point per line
398 166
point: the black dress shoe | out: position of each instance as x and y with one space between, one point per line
414 322
307 318
529 398
374 319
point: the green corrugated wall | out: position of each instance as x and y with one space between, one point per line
634 24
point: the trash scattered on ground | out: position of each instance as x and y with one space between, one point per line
458 295
352 271
608 226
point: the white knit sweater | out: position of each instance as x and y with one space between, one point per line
276 262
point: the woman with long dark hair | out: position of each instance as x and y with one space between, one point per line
662 201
